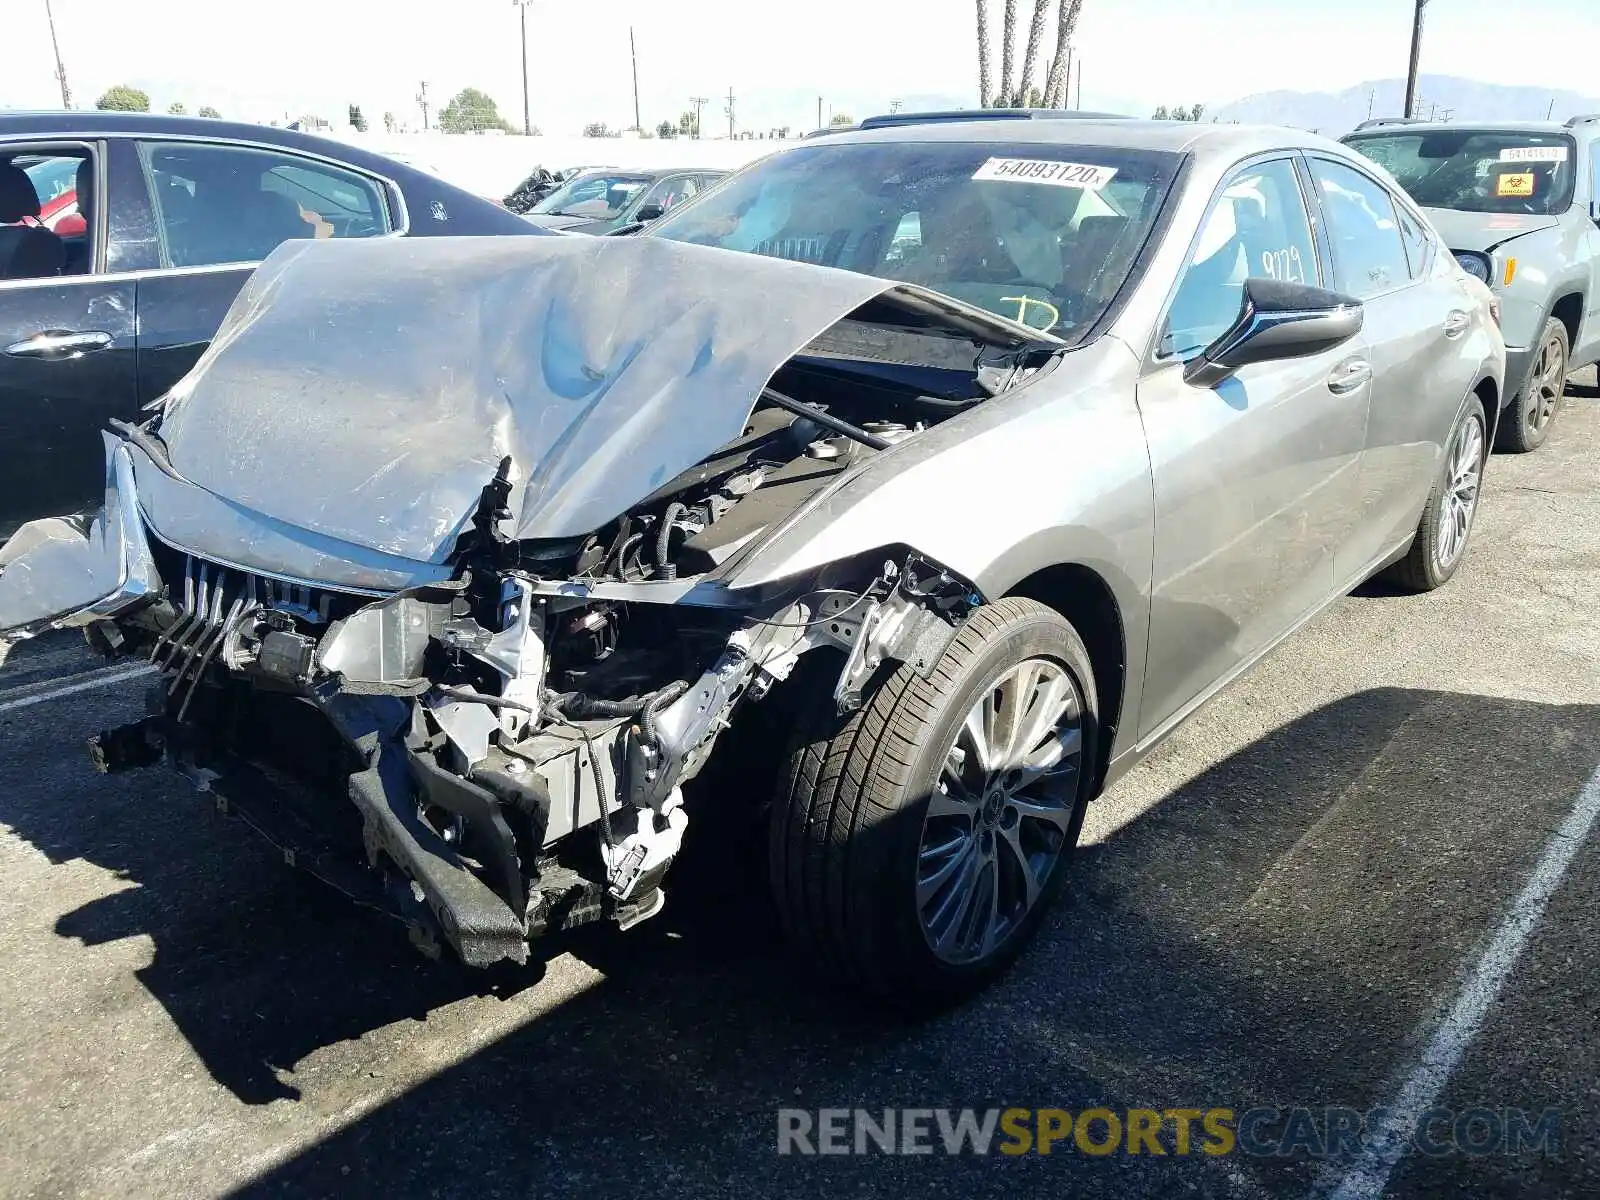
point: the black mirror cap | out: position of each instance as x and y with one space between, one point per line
1277 321
648 212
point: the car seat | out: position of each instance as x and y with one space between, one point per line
26 251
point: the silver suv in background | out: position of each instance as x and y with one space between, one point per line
1519 205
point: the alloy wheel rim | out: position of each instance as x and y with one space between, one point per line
1462 484
1001 811
1549 380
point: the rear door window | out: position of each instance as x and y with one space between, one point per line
233 204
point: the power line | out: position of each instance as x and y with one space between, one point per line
1416 58
422 99
61 71
527 122
699 103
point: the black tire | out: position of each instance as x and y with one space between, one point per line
847 825
1526 422
1425 566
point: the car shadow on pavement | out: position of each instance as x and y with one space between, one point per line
1273 932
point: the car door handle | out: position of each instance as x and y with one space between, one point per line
60 343
1456 324
1349 376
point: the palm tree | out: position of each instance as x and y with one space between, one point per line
1007 52
983 54
1055 88
1041 10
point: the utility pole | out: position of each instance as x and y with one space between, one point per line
1548 113
699 103
634 51
1079 104
422 99
1066 82
61 71
1372 98
1416 57
819 112
730 114
896 105
527 121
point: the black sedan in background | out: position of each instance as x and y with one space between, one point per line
606 200
123 240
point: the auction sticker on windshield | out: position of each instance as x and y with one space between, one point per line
1043 170
1534 154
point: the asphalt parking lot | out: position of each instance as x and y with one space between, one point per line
1301 900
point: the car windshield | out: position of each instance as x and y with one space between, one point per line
597 197
1477 170
1042 234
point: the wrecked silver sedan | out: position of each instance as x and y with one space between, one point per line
921 519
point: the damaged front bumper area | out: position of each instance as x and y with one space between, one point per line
488 758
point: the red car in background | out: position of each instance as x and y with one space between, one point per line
56 180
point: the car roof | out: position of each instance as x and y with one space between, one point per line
1235 141
1407 127
89 123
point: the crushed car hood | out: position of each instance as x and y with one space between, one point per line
369 390
1483 231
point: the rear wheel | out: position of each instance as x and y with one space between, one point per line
1526 424
916 843
1446 524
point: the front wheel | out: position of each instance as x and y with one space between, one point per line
1526 423
916 843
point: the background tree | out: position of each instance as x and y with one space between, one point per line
597 129
207 111
1161 114
1055 85
686 125
122 98
389 122
841 119
666 130
1026 96
984 79
177 109
1008 37
357 121
472 111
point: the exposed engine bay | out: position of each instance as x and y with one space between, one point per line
515 738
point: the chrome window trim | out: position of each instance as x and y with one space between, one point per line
10 285
393 193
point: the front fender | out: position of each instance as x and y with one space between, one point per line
61 572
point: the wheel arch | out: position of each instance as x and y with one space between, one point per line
1486 391
1568 309
1087 601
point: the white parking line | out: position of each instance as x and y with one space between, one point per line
92 679
1369 1175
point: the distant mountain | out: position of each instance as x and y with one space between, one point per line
1337 113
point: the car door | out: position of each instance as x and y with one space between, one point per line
217 210
67 349
1418 322
1255 479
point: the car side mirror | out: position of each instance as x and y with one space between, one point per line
1277 321
649 212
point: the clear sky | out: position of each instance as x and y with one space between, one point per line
261 60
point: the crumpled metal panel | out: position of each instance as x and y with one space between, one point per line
368 389
57 572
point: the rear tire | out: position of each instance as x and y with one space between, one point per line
1446 526
876 841
1526 423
